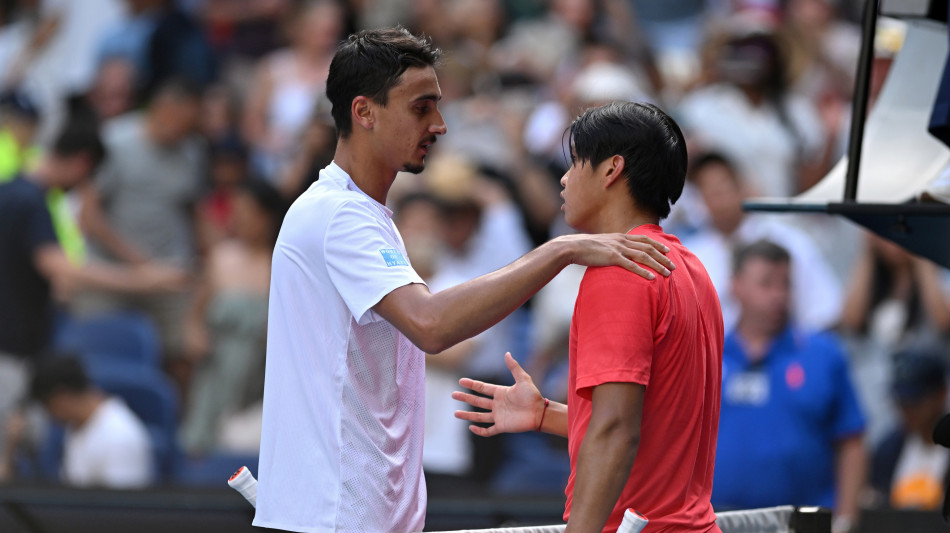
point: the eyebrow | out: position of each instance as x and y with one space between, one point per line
430 97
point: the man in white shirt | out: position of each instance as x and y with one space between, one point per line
106 445
350 320
817 294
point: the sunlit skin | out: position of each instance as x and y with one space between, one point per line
395 137
592 201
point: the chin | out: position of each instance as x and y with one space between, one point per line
414 168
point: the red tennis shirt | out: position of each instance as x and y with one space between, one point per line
667 335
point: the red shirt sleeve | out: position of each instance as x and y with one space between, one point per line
615 315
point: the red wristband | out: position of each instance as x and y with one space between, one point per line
543 410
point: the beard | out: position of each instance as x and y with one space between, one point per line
414 168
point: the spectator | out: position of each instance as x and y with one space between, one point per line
790 426
113 89
19 121
482 231
287 84
142 206
227 325
312 151
896 300
34 266
447 449
228 173
750 116
106 445
908 470
129 38
816 292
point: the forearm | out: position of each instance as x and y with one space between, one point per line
851 471
554 420
108 277
931 292
603 468
858 298
97 228
448 317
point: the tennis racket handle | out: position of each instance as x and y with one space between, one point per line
243 481
633 522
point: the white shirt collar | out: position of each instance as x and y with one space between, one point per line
335 173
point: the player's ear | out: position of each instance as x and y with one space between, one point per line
615 166
363 112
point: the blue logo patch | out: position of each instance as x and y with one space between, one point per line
393 257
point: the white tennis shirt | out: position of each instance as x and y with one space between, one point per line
344 393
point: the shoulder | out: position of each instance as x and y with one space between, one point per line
19 190
123 129
614 285
823 348
333 202
827 341
22 198
119 421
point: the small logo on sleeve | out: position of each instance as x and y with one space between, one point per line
393 257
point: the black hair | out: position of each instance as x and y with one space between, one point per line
712 158
178 88
268 198
58 373
650 143
80 135
369 63
761 249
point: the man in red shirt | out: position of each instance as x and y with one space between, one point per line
645 355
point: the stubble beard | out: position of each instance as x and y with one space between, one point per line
414 168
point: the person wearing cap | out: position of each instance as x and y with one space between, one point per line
908 470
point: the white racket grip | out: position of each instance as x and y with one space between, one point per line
243 481
633 522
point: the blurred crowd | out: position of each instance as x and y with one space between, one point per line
213 118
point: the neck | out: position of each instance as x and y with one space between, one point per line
367 172
755 339
621 217
86 406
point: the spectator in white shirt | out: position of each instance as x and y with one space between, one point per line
106 445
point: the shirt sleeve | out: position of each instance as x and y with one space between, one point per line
614 316
366 260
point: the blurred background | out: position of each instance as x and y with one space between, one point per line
214 118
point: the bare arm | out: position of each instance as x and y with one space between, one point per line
606 455
434 322
52 263
858 298
196 338
851 472
932 294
